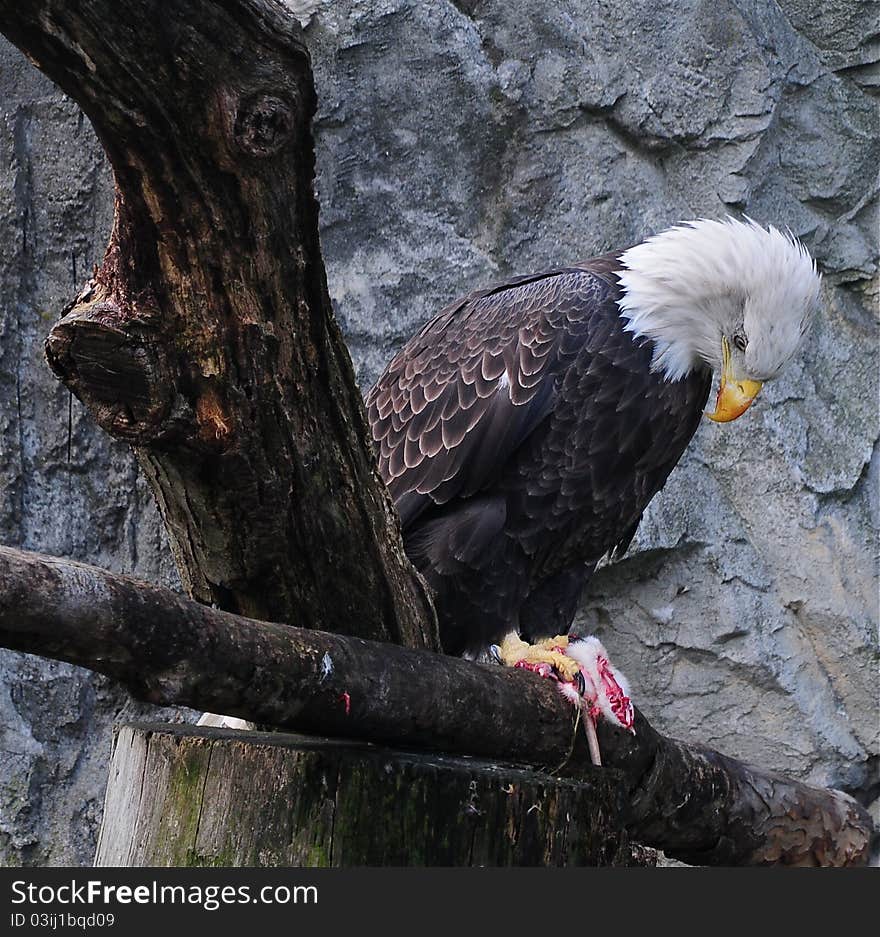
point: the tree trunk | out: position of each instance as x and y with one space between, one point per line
180 796
206 338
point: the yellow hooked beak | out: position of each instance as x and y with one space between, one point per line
734 396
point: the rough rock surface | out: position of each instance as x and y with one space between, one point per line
459 142
65 487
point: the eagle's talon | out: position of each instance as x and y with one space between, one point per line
548 658
584 675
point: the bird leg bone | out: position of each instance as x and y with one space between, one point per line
586 678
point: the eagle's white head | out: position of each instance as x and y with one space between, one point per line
728 295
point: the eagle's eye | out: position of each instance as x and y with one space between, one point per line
740 341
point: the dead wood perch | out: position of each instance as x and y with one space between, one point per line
694 803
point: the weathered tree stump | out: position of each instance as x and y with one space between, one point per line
191 796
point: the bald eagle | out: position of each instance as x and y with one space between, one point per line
524 430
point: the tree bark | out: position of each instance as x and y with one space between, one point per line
192 796
206 337
693 803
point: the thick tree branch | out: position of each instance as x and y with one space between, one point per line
206 337
694 803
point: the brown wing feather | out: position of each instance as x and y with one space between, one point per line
464 393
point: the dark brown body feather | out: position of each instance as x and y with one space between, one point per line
522 434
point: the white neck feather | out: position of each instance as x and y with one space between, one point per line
686 287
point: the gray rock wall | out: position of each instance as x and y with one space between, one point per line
459 143
65 487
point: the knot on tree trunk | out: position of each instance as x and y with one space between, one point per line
263 124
